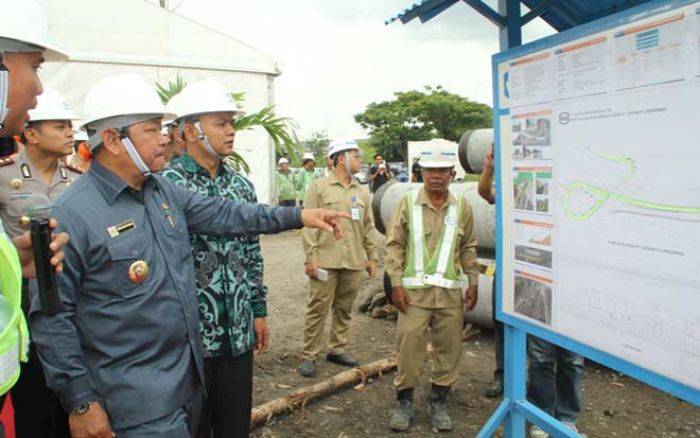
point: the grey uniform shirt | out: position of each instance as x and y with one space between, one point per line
18 179
134 347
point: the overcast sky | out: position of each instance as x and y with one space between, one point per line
337 56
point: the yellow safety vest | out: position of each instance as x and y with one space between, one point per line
14 337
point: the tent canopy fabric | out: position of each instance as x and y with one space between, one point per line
140 32
560 14
138 36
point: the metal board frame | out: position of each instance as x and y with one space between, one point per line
515 409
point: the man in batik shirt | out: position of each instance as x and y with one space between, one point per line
229 271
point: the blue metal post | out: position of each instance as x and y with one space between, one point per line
515 367
511 35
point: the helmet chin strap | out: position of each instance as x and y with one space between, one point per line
347 162
4 92
205 141
135 157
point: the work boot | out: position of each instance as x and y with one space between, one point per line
401 417
495 389
437 409
307 368
342 359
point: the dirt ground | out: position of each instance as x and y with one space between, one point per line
614 405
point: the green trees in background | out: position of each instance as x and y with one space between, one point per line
420 115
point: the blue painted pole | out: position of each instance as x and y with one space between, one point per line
511 35
515 367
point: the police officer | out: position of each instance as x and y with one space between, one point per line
229 270
124 351
431 261
48 137
343 262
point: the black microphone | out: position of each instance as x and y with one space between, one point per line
37 208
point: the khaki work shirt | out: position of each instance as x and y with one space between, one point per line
433 220
18 179
359 238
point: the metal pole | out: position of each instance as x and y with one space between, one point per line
511 35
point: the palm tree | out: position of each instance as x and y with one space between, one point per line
280 129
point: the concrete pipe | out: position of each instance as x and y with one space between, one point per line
473 147
390 194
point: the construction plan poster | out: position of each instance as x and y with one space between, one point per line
600 185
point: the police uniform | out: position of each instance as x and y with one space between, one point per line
18 178
343 259
38 413
439 308
127 332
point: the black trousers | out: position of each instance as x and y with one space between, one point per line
229 399
38 411
288 203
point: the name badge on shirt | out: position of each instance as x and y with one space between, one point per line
116 230
355 208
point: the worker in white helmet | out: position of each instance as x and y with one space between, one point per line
24 44
229 270
171 129
335 270
432 266
306 175
124 351
285 182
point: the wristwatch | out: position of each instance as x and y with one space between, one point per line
82 409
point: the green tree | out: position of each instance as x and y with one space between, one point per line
317 144
420 115
280 129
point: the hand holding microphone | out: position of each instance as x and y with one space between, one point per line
37 209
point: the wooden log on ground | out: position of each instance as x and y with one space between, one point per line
303 395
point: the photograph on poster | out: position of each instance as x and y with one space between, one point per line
533 297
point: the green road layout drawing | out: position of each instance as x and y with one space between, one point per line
597 196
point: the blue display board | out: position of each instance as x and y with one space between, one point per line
598 210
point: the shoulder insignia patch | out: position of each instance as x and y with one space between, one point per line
5 161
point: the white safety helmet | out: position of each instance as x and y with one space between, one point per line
438 153
342 146
308 156
80 136
117 102
51 105
203 97
24 28
282 161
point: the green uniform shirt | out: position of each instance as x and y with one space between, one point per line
304 178
286 189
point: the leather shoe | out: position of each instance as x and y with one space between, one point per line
342 359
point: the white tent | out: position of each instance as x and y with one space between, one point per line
107 37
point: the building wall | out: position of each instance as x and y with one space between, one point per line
73 79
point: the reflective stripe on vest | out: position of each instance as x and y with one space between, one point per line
423 270
14 337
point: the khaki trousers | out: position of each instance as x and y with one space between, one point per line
336 295
412 332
